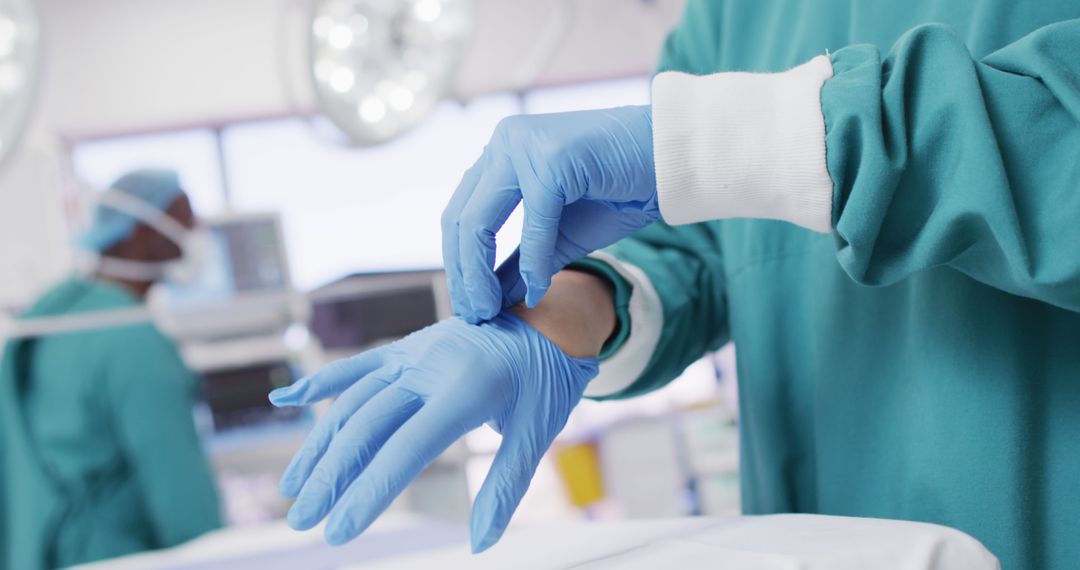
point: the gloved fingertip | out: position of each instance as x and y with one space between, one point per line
310 506
533 296
479 545
534 288
298 519
336 538
340 529
485 525
482 312
278 394
471 318
458 308
485 540
488 313
288 395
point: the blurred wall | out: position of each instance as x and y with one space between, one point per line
33 233
123 66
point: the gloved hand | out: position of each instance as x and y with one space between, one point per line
402 405
586 180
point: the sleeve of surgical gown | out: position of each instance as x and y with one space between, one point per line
939 159
154 393
918 158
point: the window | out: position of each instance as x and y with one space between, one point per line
360 209
344 210
191 153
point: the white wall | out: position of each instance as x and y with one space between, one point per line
33 236
122 66
132 65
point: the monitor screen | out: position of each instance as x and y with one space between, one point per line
237 397
364 309
245 256
355 323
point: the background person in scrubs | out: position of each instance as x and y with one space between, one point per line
885 220
100 454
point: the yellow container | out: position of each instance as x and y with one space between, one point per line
579 466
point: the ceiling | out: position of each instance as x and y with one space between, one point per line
115 66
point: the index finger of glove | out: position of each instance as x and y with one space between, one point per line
329 380
451 256
496 196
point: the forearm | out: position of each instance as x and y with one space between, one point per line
577 313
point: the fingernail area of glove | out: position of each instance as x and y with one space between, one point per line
483 533
341 529
307 511
485 542
471 318
285 396
533 295
297 518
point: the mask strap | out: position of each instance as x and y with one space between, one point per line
145 271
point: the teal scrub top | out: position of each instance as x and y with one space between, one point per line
922 362
100 453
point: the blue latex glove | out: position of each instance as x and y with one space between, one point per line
586 179
402 405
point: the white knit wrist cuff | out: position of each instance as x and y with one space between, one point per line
625 366
743 145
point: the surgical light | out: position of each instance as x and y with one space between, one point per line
378 67
342 80
18 61
372 110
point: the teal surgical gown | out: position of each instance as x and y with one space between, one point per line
921 361
100 454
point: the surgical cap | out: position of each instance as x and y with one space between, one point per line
157 188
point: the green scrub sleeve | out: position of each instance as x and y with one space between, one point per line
154 395
683 266
941 159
